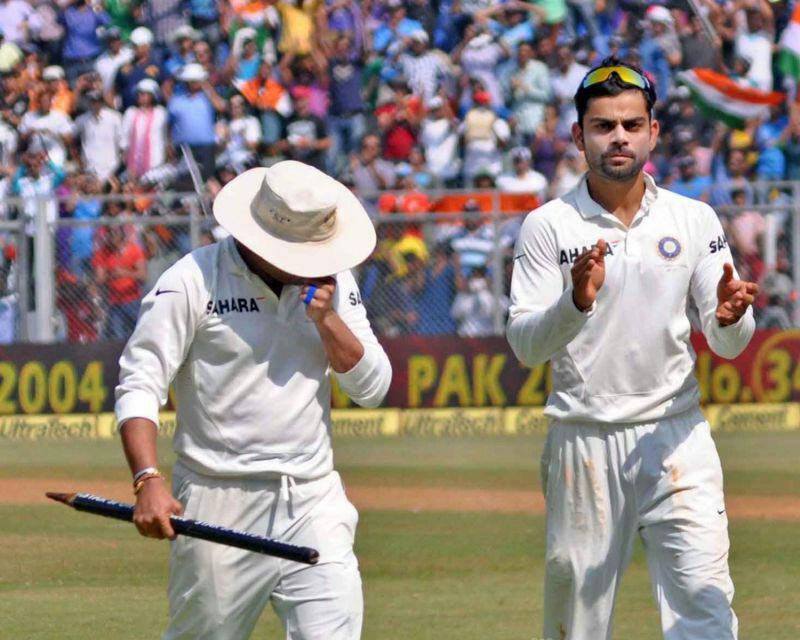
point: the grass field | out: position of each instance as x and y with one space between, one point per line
427 574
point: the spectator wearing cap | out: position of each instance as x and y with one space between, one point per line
346 119
81 46
660 48
565 80
18 21
474 243
755 41
245 60
422 68
689 183
439 138
47 130
479 53
523 179
305 137
182 41
398 118
530 91
485 135
144 65
269 98
100 134
192 116
238 137
394 28
63 99
113 58
144 131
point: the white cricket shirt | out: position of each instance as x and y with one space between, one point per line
628 359
250 373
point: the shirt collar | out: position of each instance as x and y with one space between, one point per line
235 260
589 208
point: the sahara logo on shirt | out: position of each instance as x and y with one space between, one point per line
568 256
718 245
227 305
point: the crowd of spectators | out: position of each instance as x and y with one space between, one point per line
399 99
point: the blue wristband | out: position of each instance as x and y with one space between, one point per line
310 295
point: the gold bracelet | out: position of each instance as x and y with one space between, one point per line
137 487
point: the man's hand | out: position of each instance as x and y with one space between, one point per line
154 506
588 275
733 297
321 305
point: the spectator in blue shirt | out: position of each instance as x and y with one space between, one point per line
183 40
192 116
81 44
144 65
690 184
397 27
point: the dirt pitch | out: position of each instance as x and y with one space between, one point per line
415 499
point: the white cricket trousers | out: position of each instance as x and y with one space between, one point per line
604 484
218 592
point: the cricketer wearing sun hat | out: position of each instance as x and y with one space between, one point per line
250 331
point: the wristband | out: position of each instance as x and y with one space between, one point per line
143 472
140 483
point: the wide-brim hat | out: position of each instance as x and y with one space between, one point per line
192 72
297 218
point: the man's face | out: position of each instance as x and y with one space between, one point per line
737 164
370 148
524 53
564 57
617 135
418 47
688 171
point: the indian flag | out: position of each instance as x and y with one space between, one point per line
789 59
721 98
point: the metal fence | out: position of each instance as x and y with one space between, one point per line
74 269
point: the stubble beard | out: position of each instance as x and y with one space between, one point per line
603 167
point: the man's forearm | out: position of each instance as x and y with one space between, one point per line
139 443
343 348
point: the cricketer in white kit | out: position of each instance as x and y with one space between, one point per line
603 286
249 331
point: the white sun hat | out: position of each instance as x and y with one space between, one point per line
53 72
296 218
141 36
193 72
148 85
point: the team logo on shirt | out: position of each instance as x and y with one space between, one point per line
669 248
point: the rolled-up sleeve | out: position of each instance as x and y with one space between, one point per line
543 318
726 342
159 344
368 381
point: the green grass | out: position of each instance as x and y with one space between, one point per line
66 575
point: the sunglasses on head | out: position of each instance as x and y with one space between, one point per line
625 74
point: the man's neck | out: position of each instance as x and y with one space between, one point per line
622 199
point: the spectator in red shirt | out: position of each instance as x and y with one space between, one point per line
120 266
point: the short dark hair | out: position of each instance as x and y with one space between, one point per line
612 86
